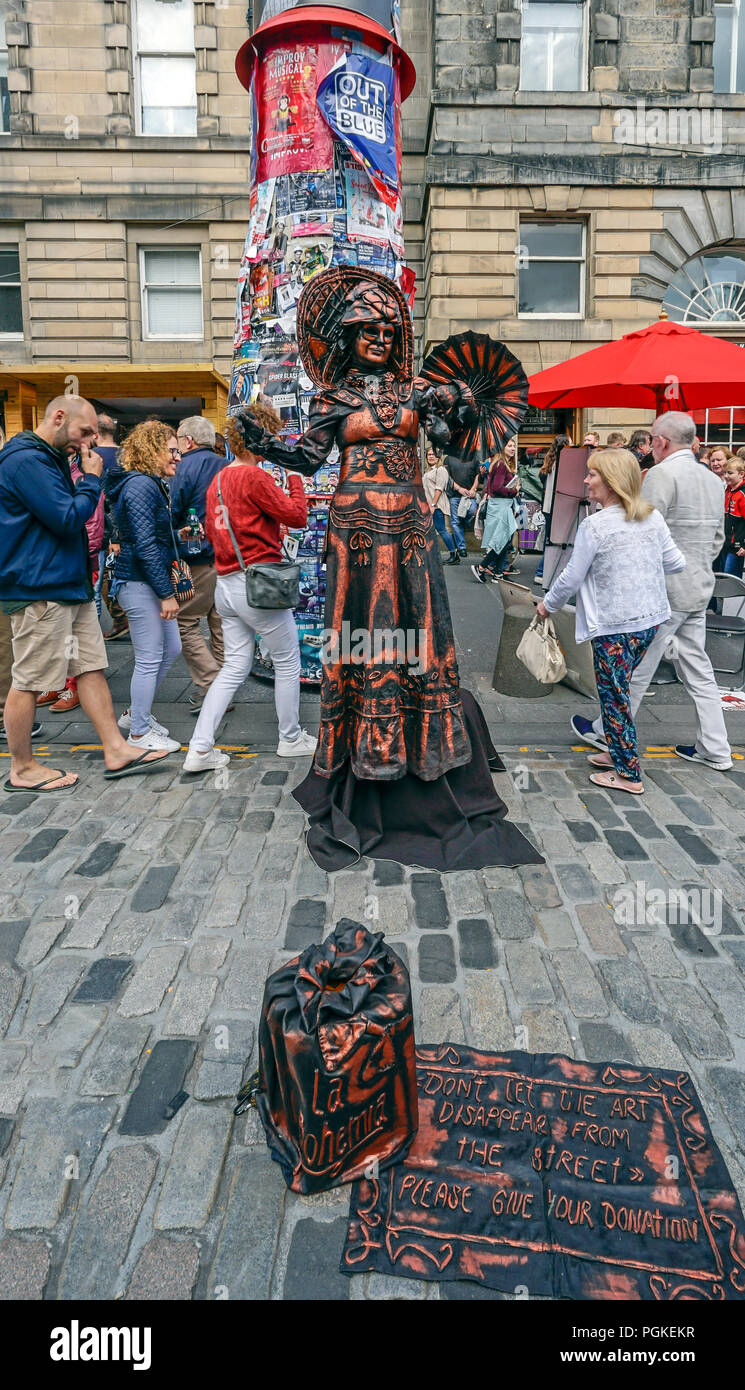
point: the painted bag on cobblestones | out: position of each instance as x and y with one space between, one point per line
337 1080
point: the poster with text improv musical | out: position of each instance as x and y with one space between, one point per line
291 135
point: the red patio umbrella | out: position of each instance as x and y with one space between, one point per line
666 366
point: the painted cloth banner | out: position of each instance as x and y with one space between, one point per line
357 99
560 1179
290 135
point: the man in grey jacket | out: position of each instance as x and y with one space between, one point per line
691 501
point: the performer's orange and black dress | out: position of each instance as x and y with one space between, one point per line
402 768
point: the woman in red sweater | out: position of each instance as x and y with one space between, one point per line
255 508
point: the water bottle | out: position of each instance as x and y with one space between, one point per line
194 543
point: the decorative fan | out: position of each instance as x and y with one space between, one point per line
499 386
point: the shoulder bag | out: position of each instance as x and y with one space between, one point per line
267 585
181 575
480 518
539 651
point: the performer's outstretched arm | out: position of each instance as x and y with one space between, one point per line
307 456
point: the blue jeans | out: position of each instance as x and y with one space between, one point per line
457 522
156 643
733 564
440 524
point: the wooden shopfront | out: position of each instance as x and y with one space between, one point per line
129 392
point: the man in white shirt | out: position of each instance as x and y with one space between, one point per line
691 500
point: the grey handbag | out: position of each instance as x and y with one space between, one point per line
268 585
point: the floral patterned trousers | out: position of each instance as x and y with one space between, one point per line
615 658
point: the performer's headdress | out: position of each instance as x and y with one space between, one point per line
338 301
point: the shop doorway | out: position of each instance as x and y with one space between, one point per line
129 411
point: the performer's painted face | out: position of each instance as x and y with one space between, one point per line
374 344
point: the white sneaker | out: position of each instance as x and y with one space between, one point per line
690 753
302 745
125 722
204 762
154 742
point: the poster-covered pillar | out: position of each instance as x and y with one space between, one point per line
326 88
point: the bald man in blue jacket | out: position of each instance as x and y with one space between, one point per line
46 591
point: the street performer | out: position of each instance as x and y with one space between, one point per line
402 767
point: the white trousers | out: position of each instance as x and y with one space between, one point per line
279 640
682 640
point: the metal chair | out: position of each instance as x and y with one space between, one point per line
725 632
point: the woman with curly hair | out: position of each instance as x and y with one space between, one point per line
244 500
142 575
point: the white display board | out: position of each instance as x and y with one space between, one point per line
580 670
568 507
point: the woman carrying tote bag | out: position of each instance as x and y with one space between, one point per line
621 556
251 507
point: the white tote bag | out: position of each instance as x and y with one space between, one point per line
539 651
479 519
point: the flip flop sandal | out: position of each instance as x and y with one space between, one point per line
136 766
613 782
44 788
601 760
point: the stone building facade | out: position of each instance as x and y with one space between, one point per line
609 199
84 194
644 158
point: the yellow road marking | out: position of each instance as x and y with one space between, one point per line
96 748
241 750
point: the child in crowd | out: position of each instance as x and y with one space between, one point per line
734 516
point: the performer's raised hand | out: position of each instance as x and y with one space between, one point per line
253 434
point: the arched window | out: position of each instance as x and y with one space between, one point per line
710 288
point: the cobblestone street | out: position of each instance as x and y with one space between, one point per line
466 280
138 927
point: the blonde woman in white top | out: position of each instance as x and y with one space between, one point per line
435 482
617 571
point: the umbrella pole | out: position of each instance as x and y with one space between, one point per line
663 402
